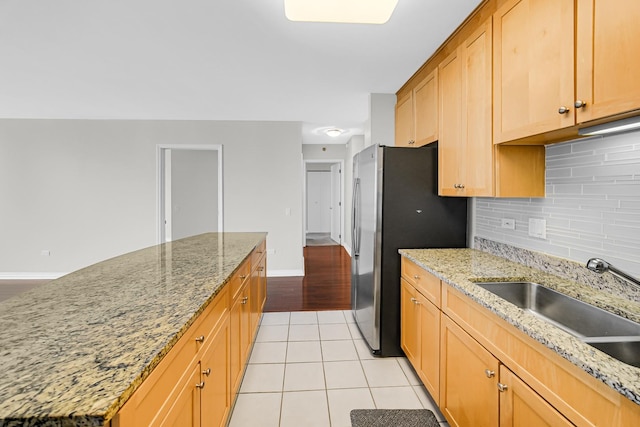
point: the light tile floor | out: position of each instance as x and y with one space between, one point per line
313 368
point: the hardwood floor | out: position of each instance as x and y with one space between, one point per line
325 286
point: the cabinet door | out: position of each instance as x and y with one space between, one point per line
468 379
236 342
185 409
405 132
429 346
425 96
520 406
409 325
476 113
451 147
533 67
608 61
215 394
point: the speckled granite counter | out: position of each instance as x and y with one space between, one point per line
462 267
73 350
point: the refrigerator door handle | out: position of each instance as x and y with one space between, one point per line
355 232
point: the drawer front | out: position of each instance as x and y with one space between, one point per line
258 253
239 278
426 283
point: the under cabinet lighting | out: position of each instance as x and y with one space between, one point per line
612 127
345 11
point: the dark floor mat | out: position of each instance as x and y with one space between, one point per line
393 417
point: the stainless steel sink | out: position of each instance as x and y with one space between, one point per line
608 332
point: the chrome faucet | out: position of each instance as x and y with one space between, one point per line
600 266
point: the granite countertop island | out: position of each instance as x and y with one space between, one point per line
74 350
460 268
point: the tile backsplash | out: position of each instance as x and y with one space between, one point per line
591 208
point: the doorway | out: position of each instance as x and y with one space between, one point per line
190 190
323 216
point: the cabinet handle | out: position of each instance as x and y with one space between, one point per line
200 385
207 372
244 300
502 387
260 268
415 301
563 110
416 277
580 104
243 276
489 373
200 338
411 142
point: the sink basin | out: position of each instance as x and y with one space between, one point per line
626 349
608 332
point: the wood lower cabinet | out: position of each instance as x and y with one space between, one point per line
468 379
520 406
196 382
489 373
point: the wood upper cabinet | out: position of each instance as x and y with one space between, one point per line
465 150
533 66
468 379
405 131
546 79
417 114
607 58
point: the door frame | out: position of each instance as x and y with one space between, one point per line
305 195
161 182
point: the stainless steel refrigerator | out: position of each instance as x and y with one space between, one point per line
395 206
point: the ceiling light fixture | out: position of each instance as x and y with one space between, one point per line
612 127
344 11
333 132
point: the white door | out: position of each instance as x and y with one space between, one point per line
318 202
336 204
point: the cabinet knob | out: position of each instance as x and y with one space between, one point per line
260 268
411 142
489 373
200 338
415 301
207 372
200 385
580 104
502 387
416 277
244 300
563 110
243 276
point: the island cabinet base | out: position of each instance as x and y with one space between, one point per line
493 374
195 383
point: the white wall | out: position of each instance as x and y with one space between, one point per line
380 127
86 189
592 204
194 192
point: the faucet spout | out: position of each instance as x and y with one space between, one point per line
600 266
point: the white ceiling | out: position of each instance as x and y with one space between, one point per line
208 60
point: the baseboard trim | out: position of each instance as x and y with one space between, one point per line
30 275
284 273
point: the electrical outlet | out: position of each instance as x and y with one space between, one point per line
509 223
538 228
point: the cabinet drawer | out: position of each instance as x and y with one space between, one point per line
258 253
238 279
426 283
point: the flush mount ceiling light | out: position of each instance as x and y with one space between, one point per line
334 132
613 127
345 11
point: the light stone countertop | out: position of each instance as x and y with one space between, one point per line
74 350
460 268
